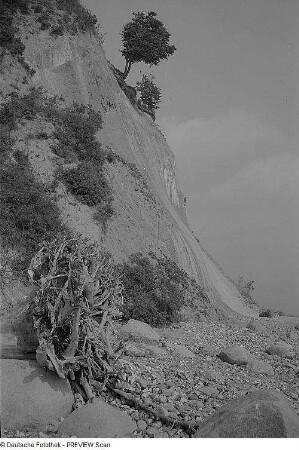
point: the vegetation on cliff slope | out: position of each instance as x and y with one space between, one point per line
75 134
28 216
28 213
60 16
155 289
9 41
57 16
144 39
150 94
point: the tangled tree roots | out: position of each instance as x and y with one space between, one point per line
78 295
77 299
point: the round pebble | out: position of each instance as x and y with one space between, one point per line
141 425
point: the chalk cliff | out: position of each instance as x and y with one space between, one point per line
149 216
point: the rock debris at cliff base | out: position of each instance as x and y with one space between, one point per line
193 388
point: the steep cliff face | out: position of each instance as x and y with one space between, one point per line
149 216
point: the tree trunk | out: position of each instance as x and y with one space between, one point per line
127 68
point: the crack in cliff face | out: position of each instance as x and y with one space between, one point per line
76 68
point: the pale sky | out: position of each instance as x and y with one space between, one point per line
230 113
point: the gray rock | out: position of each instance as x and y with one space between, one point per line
168 392
193 397
291 366
97 420
140 329
261 414
161 410
142 383
141 425
211 391
170 407
297 326
293 395
213 375
53 426
258 327
281 349
258 366
199 405
152 432
180 350
153 350
208 350
30 396
18 336
134 350
235 355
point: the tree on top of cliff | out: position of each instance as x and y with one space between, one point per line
145 39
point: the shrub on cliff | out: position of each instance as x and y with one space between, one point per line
84 19
89 185
27 215
71 18
246 289
21 107
150 94
8 39
75 129
154 289
267 313
74 126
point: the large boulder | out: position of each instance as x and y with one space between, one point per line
18 335
237 355
97 420
261 414
282 349
140 330
30 396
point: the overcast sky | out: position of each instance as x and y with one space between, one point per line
230 113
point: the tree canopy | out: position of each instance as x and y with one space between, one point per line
145 39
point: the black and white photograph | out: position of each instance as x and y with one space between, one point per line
149 223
